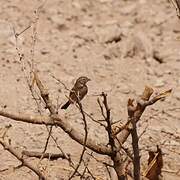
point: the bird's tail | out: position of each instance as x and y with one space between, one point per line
65 106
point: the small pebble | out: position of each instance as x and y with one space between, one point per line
159 83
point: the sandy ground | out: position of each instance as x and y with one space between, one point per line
74 38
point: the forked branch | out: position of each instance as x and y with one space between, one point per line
19 156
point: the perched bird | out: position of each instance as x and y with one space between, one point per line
78 92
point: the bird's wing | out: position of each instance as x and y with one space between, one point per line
78 93
82 92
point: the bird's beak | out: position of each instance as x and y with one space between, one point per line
89 79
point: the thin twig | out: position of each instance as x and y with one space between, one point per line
176 4
108 120
101 107
88 170
47 140
67 156
85 139
109 173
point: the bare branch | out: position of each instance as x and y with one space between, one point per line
19 156
135 110
101 108
135 140
176 4
45 95
108 120
67 156
85 139
40 155
138 110
56 120
51 108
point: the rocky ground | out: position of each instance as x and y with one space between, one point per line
121 45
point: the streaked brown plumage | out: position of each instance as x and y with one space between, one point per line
78 92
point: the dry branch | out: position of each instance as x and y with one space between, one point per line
45 95
116 139
108 120
40 155
51 107
85 139
56 120
135 110
176 4
24 162
135 141
138 110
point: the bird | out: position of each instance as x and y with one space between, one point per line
78 92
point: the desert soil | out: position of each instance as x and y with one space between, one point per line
121 45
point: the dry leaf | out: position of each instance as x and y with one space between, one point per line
155 164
